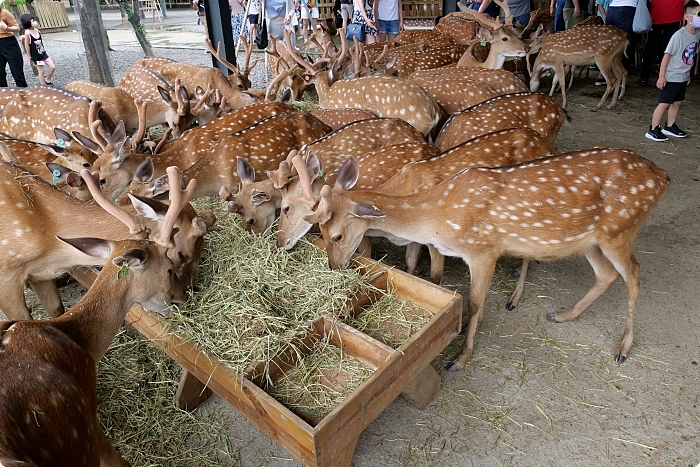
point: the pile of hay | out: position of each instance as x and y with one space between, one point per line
252 299
136 385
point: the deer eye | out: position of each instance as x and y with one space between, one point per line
504 39
285 210
103 181
86 165
337 238
250 221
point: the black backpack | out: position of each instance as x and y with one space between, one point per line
261 37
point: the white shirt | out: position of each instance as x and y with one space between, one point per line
623 3
388 10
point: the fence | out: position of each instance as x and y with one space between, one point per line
52 15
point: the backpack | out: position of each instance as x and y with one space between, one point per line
261 37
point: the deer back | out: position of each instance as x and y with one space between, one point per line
188 149
33 113
338 118
502 82
264 144
457 94
543 209
422 36
387 97
531 110
496 149
116 101
48 368
6 95
460 27
435 57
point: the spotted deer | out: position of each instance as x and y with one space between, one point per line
384 95
265 144
585 202
457 94
536 111
501 81
136 172
403 64
33 113
459 26
338 118
300 194
422 36
165 105
257 201
35 214
591 45
239 79
48 409
76 152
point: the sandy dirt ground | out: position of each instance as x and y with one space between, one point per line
538 393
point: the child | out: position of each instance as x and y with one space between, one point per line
34 47
675 75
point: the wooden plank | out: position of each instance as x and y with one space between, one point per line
191 392
423 389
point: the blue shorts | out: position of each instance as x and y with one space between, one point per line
389 26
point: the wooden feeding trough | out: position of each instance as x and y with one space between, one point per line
331 439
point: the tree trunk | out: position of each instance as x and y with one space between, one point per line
139 30
92 30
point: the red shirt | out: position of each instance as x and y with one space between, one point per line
666 11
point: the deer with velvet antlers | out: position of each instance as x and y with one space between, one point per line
586 202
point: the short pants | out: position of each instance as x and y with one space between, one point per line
672 92
389 26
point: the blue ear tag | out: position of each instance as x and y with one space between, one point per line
482 42
56 176
61 143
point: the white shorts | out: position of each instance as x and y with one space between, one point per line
305 13
48 62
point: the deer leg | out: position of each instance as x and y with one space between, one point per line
12 301
571 80
561 72
518 292
413 254
109 457
437 264
626 264
605 275
48 296
365 247
609 76
481 271
622 72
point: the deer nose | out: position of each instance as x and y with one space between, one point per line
183 258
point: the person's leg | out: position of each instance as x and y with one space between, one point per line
14 58
559 16
40 69
568 15
382 29
393 30
50 71
653 41
658 114
673 113
3 66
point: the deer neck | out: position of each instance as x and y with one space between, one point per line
323 89
494 61
94 321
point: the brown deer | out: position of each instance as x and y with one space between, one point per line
459 26
591 45
422 36
239 79
338 118
457 94
403 64
586 202
384 95
257 200
501 81
537 111
117 172
165 104
33 113
48 408
265 144
75 152
35 213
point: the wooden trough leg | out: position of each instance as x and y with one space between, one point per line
190 392
423 389
340 458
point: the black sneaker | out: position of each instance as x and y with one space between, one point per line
673 130
601 82
655 134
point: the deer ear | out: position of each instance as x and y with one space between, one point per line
119 135
184 95
149 208
260 197
199 92
63 138
144 172
348 174
391 62
313 165
133 258
74 180
161 185
367 212
485 34
246 172
87 143
95 247
165 95
59 171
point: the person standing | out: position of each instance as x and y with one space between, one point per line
10 52
309 13
363 14
34 46
666 16
390 19
674 75
575 11
238 19
346 12
621 14
519 10
556 9
253 18
491 10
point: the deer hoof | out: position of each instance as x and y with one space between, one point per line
452 368
510 306
551 317
619 358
